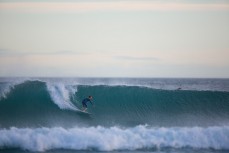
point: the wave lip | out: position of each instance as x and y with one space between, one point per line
154 83
115 138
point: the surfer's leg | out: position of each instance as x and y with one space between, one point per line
84 107
84 110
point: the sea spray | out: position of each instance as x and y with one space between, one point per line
60 95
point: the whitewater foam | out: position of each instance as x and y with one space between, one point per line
114 138
60 94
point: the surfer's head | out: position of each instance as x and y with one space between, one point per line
90 97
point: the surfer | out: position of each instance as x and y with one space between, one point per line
84 102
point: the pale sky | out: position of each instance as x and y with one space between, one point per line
114 38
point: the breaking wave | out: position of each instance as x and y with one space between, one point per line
58 104
115 138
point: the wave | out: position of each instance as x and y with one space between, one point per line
38 103
154 83
59 92
6 86
115 138
32 104
134 105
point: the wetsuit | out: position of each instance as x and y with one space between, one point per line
84 102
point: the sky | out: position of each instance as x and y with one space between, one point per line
114 38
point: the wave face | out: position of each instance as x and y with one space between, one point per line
130 114
134 105
37 103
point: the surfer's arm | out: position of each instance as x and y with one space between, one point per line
91 102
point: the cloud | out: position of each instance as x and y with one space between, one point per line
8 52
136 58
67 52
76 7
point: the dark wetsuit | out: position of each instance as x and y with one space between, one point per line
84 102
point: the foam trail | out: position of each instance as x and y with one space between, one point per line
114 138
60 95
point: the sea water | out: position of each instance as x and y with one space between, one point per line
138 115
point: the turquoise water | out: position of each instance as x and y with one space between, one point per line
130 115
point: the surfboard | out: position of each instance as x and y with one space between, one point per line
85 112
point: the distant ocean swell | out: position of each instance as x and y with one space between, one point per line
114 138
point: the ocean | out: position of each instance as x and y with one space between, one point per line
130 115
